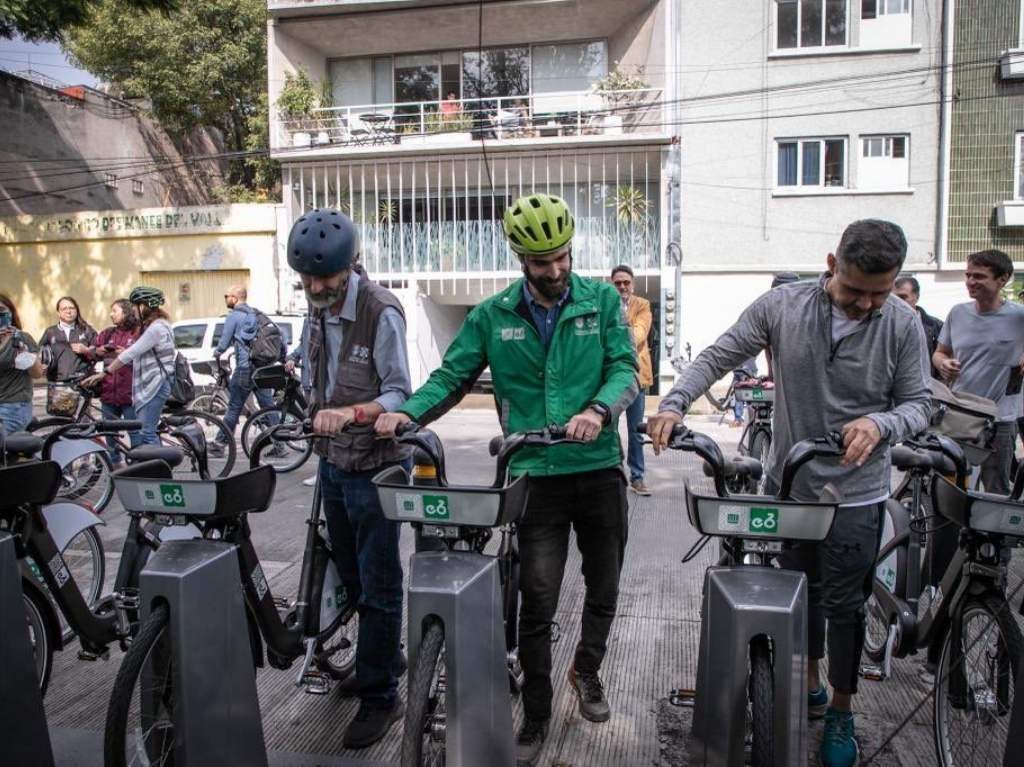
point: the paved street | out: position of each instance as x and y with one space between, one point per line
652 649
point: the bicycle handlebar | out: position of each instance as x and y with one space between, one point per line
87 430
949 448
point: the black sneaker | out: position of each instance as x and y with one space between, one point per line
215 450
372 723
593 705
530 741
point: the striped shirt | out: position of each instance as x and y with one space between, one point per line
147 374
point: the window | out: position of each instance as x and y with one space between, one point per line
189 336
812 162
568 66
872 9
351 82
110 180
217 330
137 187
418 77
496 72
810 23
884 162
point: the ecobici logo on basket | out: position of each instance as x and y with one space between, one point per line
163 495
435 507
764 520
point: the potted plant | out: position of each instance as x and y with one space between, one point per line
295 105
614 89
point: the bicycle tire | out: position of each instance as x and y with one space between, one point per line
214 404
511 604
297 453
90 540
99 476
876 634
151 639
425 697
213 428
762 703
336 654
723 403
42 647
986 747
760 448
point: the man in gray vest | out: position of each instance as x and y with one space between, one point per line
356 356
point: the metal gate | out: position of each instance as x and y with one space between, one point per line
193 294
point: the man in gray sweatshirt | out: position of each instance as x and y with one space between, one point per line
848 357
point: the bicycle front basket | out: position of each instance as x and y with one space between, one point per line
983 512
62 400
754 394
749 516
464 506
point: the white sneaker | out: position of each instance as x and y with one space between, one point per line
309 481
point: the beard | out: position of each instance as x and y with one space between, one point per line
551 289
326 297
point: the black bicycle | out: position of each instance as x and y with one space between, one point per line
319 627
290 407
756 439
53 595
465 521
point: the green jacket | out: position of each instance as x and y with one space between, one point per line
590 359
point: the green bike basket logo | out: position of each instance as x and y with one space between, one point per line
763 520
435 507
172 495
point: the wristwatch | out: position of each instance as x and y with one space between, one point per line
602 410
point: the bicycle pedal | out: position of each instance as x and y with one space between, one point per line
316 683
281 603
682 697
90 657
873 673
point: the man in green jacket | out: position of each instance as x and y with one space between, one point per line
560 353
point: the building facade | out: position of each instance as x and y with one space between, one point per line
439 119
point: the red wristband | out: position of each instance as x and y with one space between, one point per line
360 414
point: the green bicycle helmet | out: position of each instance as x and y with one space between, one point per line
151 297
538 225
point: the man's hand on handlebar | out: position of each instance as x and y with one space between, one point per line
330 421
860 437
289 366
659 429
89 381
585 426
387 424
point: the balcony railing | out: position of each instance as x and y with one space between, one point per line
452 122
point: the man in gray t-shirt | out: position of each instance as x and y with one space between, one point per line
981 351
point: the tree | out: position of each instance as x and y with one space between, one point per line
49 19
202 65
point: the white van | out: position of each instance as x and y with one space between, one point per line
196 339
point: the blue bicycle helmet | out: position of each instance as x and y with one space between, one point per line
322 242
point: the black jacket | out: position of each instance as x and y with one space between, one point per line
65 362
932 327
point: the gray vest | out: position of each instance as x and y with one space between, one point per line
356 380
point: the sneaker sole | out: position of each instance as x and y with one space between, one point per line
579 701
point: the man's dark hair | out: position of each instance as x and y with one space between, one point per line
915 286
873 246
996 260
622 268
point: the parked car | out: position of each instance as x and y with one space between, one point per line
196 339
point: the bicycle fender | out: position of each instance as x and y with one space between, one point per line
65 520
65 451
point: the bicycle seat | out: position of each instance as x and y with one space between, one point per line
907 458
270 377
21 444
33 483
172 456
740 467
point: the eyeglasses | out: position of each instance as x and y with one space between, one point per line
620 283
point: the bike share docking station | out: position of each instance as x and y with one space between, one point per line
216 716
23 728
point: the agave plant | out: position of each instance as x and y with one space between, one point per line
387 212
631 205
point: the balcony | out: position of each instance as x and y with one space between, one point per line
585 117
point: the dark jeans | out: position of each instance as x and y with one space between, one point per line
635 452
839 573
738 406
239 388
127 413
594 505
365 549
995 471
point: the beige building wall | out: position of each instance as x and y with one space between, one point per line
193 253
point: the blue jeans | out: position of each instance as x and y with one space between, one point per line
635 445
239 388
365 548
123 412
738 407
15 416
149 414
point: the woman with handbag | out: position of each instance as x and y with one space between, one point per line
152 360
69 342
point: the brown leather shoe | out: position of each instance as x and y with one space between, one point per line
638 487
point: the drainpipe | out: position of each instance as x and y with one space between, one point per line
673 251
945 131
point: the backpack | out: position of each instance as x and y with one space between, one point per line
266 343
183 390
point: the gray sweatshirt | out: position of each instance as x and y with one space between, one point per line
878 371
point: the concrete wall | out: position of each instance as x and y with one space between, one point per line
431 327
56 149
97 257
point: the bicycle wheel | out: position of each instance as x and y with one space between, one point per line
213 430
86 479
424 734
725 402
336 655
877 634
140 717
762 704
511 602
85 560
973 730
283 455
42 648
214 404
